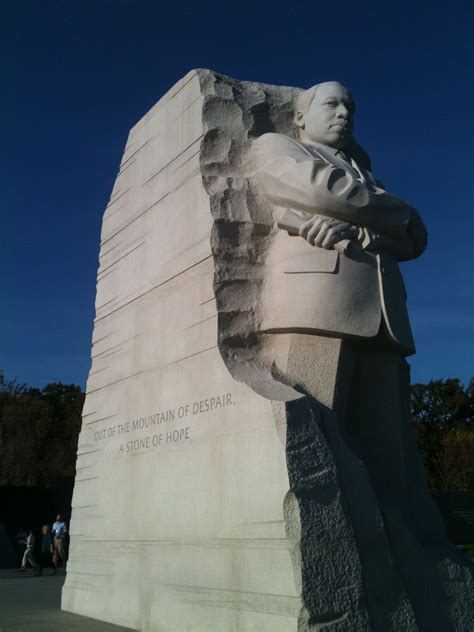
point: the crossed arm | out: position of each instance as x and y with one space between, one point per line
334 204
325 232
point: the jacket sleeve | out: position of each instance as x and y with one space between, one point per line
293 178
404 247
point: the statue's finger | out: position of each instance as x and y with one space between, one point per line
321 234
313 233
330 238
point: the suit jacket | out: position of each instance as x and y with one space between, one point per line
314 290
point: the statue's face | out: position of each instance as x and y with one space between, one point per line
330 117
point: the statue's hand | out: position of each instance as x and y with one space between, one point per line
325 232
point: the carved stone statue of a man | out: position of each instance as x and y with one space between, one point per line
336 286
334 331
325 179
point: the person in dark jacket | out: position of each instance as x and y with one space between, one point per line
47 549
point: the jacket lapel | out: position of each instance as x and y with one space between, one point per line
319 151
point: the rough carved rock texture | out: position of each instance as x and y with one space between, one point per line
360 564
234 114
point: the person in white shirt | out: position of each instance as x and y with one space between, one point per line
59 531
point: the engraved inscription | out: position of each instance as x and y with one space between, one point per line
129 445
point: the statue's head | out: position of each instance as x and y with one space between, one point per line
325 114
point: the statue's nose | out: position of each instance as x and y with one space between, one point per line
342 111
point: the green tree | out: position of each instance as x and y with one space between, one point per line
38 432
443 417
457 460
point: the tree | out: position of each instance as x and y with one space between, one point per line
443 417
38 432
457 461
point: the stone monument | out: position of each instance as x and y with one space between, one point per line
246 461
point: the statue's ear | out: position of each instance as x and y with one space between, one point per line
299 119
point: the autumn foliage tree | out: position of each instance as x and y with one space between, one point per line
443 418
39 429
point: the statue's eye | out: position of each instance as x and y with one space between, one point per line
331 104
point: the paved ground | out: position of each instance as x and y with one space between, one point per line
32 604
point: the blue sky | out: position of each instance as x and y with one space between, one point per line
78 74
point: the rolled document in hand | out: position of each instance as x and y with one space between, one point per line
291 222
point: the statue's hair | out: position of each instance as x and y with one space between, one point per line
305 98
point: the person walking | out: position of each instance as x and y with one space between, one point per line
47 549
20 546
59 532
28 557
